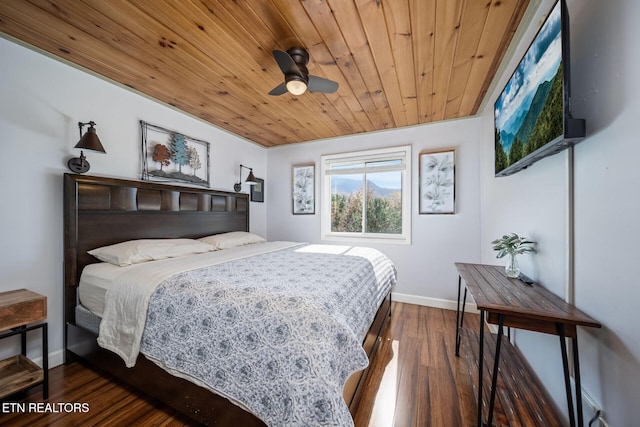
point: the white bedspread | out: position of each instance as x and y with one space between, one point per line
276 327
127 300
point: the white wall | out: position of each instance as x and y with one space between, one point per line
607 184
41 102
426 267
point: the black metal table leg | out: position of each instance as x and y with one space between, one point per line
576 373
45 361
496 362
567 380
458 319
480 366
23 340
460 315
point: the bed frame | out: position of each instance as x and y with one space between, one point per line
102 211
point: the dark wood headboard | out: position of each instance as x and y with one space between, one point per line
102 211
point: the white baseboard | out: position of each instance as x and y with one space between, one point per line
470 307
56 358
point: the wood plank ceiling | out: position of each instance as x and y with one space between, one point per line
398 62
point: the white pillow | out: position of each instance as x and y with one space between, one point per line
136 251
232 239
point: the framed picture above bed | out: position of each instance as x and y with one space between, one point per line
437 182
257 191
303 189
170 156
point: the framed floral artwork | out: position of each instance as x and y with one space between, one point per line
437 182
170 156
303 190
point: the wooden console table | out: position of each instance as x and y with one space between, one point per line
514 303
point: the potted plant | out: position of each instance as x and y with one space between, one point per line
512 245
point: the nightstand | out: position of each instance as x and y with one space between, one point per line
19 312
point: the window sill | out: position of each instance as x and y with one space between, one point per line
362 240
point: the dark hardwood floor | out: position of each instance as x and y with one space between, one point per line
416 380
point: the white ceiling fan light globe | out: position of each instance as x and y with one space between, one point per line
296 87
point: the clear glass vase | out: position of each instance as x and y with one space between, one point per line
512 268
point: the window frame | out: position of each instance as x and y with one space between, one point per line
381 154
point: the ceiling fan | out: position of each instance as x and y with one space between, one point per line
297 80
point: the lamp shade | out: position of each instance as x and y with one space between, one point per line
251 179
90 140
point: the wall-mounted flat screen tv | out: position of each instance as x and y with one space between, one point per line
533 112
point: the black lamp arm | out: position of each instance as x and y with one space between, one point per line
81 125
238 185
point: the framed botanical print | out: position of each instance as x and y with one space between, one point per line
303 190
437 182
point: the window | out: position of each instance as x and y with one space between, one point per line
367 195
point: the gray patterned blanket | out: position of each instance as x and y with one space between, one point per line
278 333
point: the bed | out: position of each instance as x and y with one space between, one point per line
99 212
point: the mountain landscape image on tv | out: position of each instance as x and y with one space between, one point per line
530 110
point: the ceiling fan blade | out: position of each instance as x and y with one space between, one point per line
318 84
286 63
278 90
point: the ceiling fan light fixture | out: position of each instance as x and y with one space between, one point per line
293 64
296 85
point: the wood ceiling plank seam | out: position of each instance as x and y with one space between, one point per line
472 23
447 25
347 121
490 67
352 85
359 101
40 36
320 101
296 16
377 33
290 127
423 35
365 58
222 119
328 29
274 23
301 25
229 93
48 43
242 107
111 35
346 16
313 103
332 105
398 21
175 102
231 45
481 59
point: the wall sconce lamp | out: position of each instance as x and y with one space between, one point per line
250 179
88 141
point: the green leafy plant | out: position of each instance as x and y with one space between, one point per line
512 244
